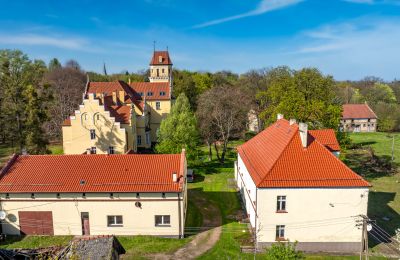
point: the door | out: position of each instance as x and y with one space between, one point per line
36 223
85 223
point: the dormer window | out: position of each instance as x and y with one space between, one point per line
162 93
141 94
149 93
160 59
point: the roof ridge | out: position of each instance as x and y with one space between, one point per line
280 155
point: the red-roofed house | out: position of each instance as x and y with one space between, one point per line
358 118
294 188
116 117
121 194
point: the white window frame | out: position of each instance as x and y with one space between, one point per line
139 140
111 150
158 105
92 134
280 232
163 222
281 203
115 223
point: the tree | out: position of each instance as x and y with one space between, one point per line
283 251
73 64
184 83
54 64
68 85
222 115
379 92
305 95
18 75
179 129
37 115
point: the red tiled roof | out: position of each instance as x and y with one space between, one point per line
276 158
165 59
327 137
155 87
100 173
357 111
67 122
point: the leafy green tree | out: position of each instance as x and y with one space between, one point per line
380 92
179 129
184 83
283 251
54 64
305 95
36 116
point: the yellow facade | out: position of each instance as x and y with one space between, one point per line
160 73
108 134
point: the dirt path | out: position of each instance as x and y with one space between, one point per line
207 238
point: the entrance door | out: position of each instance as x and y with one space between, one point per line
85 223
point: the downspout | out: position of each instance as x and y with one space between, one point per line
179 214
255 222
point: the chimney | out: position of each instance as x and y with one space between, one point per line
303 127
102 98
114 97
292 121
174 177
279 116
121 96
129 80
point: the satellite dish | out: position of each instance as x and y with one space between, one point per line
138 204
369 227
3 215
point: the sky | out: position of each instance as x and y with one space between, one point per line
348 39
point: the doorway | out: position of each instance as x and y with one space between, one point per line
85 223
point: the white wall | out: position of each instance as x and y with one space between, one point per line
313 214
247 189
67 212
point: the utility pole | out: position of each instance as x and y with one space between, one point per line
364 237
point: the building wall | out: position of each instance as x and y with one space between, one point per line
161 76
76 138
157 115
320 219
247 190
67 210
358 125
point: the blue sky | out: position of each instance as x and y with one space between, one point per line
347 39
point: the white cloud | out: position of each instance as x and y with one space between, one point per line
35 39
264 7
372 2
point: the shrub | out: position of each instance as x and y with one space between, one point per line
283 251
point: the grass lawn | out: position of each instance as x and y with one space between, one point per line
6 151
384 198
13 242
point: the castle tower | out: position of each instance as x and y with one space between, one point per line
161 67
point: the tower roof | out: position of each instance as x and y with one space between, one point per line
161 58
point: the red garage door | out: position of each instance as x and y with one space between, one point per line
36 222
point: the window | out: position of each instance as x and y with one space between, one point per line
139 140
280 232
111 150
147 138
281 203
93 150
162 93
162 70
97 117
92 134
163 220
158 105
158 72
149 93
141 94
364 125
114 221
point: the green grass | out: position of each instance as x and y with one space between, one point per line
13 242
56 148
139 246
194 218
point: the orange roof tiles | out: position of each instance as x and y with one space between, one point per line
161 58
100 173
156 88
357 111
276 158
327 137
67 122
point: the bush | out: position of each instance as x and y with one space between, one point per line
283 251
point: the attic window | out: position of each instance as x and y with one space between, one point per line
160 59
141 94
162 93
149 93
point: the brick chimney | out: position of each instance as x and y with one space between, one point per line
121 96
303 130
279 116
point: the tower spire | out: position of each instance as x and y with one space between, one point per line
154 46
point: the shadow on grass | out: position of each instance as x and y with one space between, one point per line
11 239
385 216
